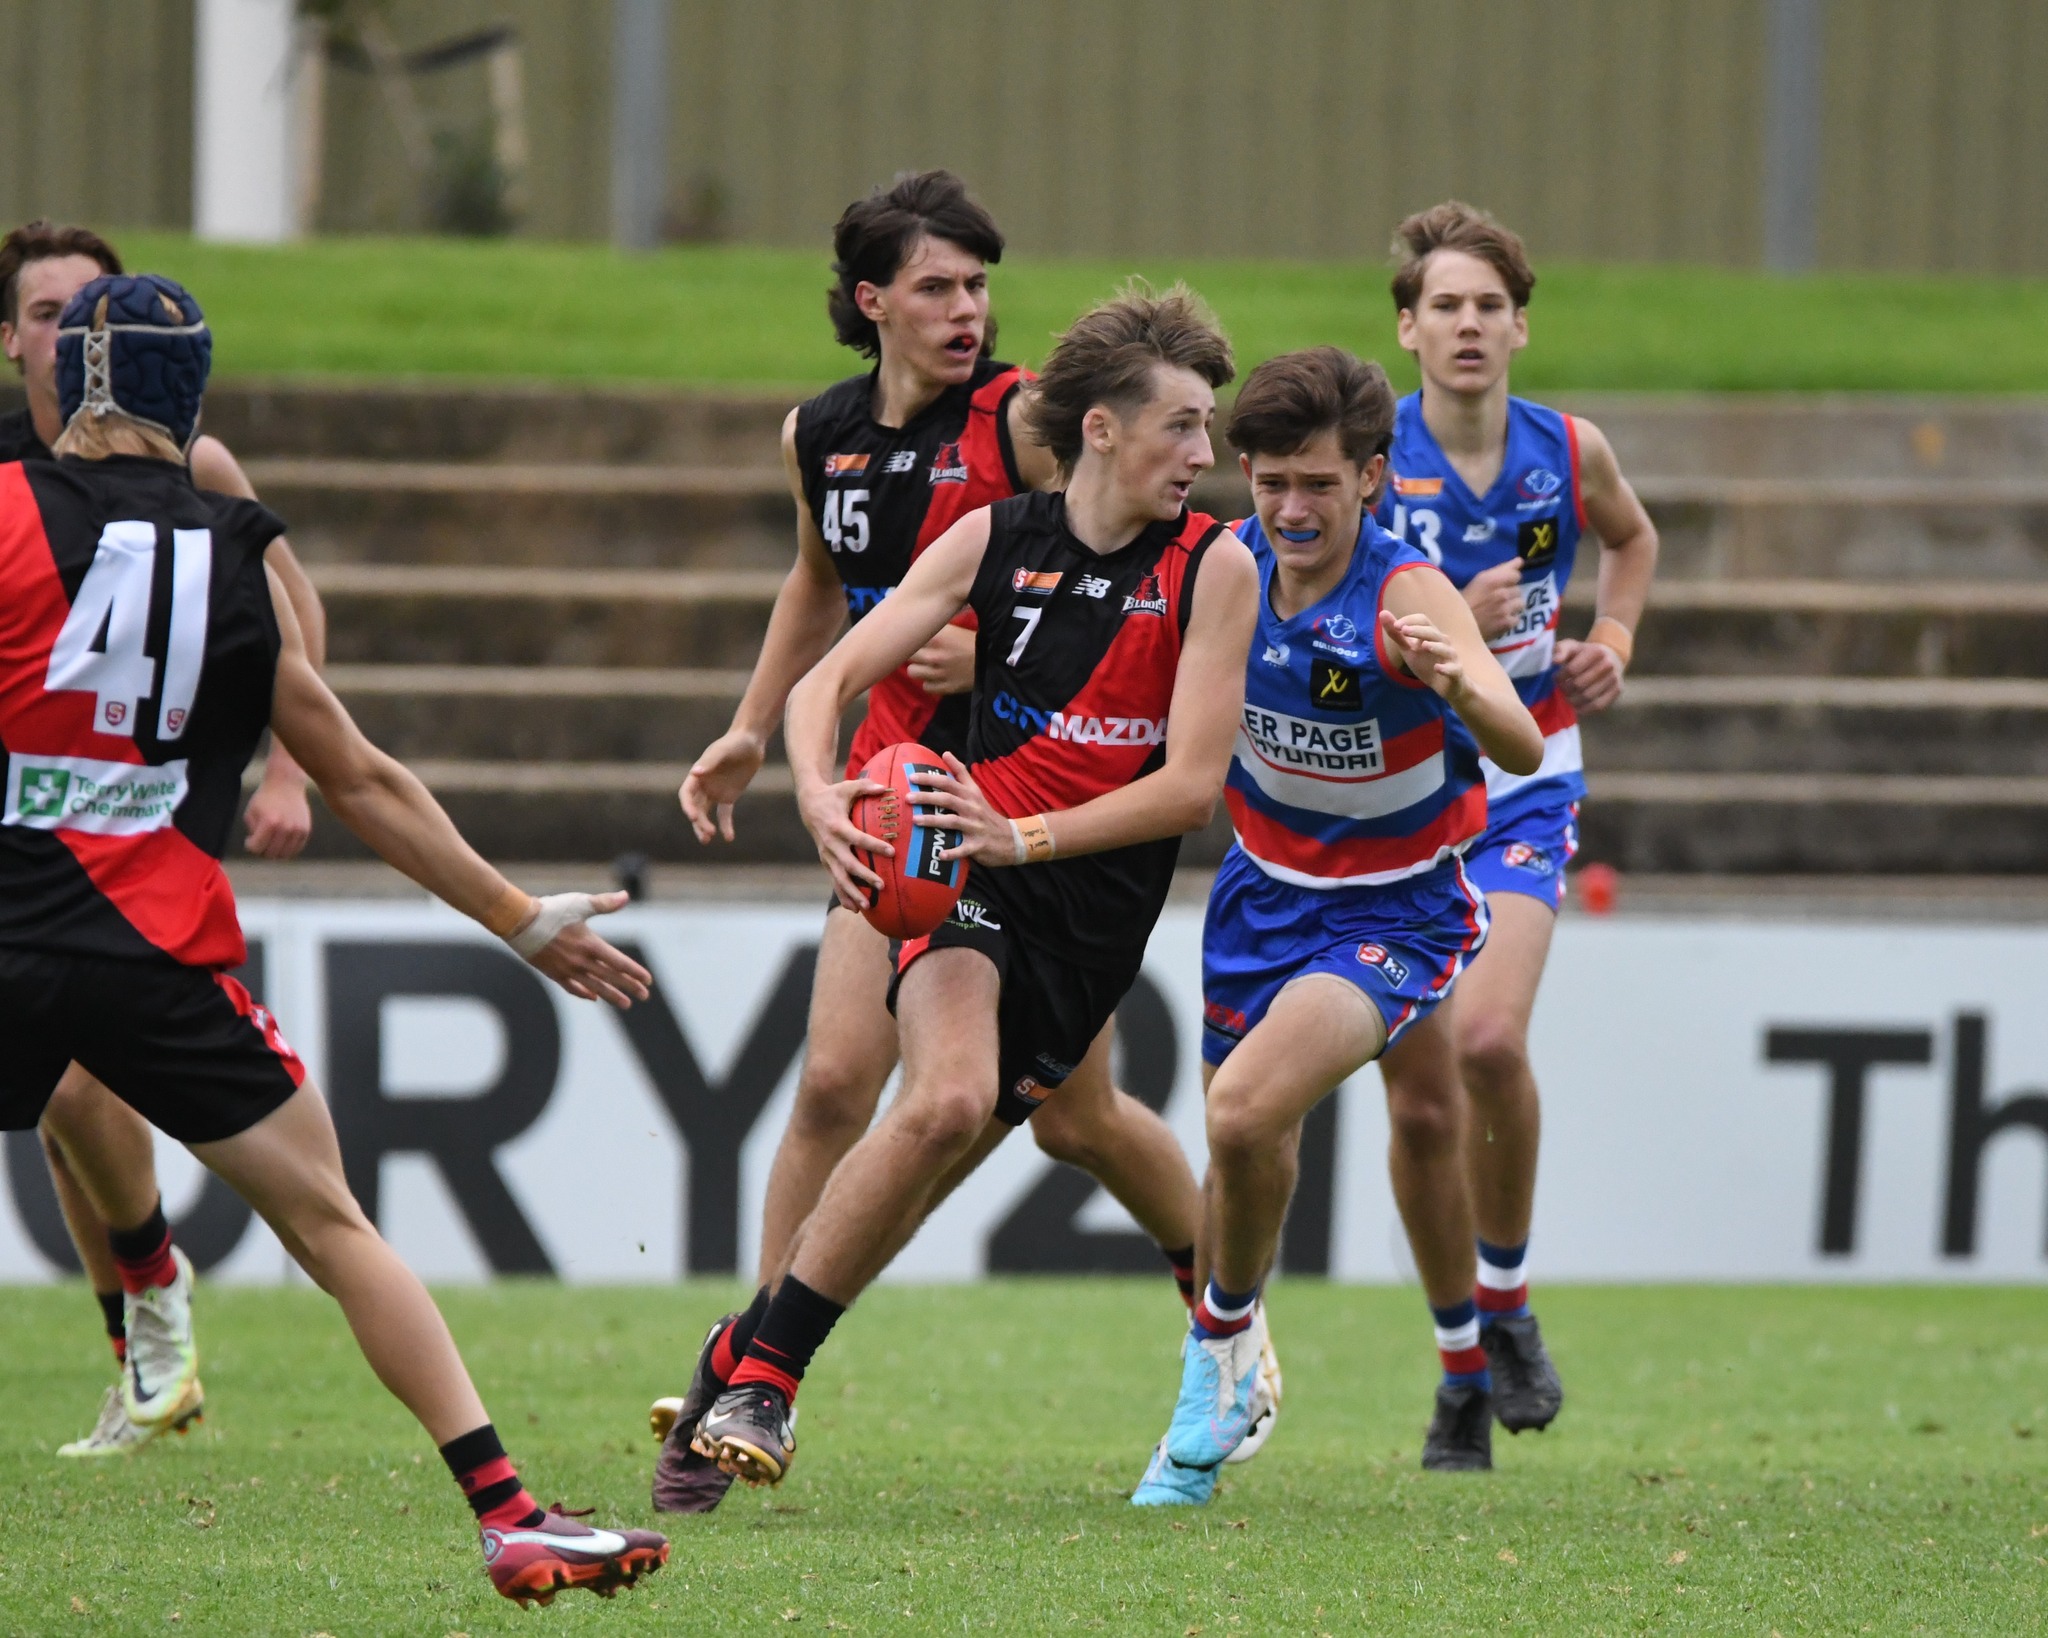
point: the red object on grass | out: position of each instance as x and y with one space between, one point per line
1599 886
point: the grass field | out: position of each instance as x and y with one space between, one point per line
732 317
1729 1460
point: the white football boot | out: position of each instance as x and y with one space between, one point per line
161 1382
114 1434
1266 1393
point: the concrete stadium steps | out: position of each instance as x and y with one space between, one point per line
491 614
413 512
1903 726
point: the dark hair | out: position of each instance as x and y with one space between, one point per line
1287 401
875 236
1455 225
1107 357
40 241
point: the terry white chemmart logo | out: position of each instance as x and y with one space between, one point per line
79 793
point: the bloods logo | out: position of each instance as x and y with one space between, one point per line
1333 687
845 466
1148 598
949 465
1536 540
1377 955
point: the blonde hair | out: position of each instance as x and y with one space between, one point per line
94 437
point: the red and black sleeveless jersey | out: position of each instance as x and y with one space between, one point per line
138 649
1074 671
880 495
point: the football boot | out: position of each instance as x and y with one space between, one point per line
1526 1391
1266 1394
1218 1377
686 1480
114 1434
160 1382
531 1563
750 1432
1460 1437
1168 1484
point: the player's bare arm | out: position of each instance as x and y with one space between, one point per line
935 589
1430 628
1591 671
278 818
809 609
1179 795
384 803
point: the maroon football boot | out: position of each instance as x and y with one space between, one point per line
531 1563
686 1481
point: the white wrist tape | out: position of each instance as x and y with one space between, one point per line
550 916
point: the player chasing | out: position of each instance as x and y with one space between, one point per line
881 466
145 643
1112 624
1497 491
99 1151
1341 916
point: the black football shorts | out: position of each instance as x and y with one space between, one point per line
1051 1008
188 1049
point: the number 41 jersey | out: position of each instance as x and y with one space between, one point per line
1533 511
138 649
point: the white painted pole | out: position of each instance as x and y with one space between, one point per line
1793 133
244 181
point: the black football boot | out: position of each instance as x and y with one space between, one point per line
1460 1437
1526 1391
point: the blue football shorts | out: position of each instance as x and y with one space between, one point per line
1403 945
1526 852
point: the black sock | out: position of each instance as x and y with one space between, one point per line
1183 1262
133 1245
112 1308
795 1327
480 1465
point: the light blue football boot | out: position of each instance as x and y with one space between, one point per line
1167 1484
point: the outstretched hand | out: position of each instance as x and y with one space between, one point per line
556 939
1426 652
716 781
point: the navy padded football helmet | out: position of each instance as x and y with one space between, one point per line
138 343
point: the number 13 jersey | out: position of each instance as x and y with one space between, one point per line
1534 511
138 649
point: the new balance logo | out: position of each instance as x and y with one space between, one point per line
904 460
1092 585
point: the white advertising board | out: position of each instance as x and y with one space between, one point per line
1723 1100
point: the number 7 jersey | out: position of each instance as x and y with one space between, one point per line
1534 511
138 649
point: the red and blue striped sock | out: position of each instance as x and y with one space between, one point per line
1223 1313
1457 1345
1503 1291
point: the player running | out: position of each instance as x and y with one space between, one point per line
1497 491
145 644
1111 625
99 1151
881 465
1341 917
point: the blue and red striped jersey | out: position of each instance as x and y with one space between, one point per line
1344 774
1533 511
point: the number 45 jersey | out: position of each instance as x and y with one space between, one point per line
1533 511
880 495
138 649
